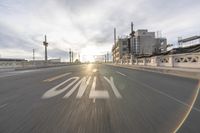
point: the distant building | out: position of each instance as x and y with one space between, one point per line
190 41
11 59
145 43
11 62
138 43
121 49
55 60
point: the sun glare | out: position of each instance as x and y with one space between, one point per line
89 58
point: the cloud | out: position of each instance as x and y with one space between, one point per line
88 24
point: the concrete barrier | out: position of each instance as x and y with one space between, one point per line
189 60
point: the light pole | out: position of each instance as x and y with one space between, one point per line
45 45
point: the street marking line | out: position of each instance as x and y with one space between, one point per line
167 95
54 92
56 77
2 106
94 100
191 106
114 88
97 94
121 73
189 110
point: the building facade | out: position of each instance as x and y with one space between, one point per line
145 43
139 43
121 50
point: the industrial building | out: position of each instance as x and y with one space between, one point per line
139 43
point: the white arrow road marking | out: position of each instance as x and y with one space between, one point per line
111 82
56 77
83 85
100 94
53 92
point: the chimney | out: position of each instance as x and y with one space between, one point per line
132 31
115 36
131 27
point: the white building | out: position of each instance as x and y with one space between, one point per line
190 41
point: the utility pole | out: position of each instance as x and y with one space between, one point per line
45 45
107 57
72 56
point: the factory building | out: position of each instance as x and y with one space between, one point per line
139 43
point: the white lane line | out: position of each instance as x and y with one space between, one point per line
94 100
94 84
188 112
121 73
167 95
56 77
2 106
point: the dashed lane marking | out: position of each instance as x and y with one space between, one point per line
121 73
56 77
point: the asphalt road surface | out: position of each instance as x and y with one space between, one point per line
97 98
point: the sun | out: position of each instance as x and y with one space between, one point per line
89 58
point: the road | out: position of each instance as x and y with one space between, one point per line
97 98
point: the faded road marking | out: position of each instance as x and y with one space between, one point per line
120 73
94 70
56 77
2 106
114 88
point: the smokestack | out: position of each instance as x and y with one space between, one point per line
132 31
115 36
131 27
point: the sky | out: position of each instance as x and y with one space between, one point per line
86 26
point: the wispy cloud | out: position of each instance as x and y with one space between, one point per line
88 24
